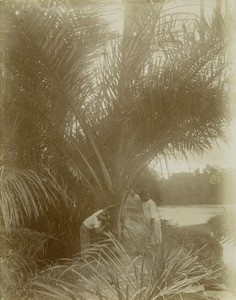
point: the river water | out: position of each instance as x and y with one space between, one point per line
198 214
192 214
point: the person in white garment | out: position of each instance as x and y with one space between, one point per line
150 212
98 221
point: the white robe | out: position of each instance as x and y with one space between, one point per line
150 212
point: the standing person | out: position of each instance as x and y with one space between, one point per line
150 212
93 222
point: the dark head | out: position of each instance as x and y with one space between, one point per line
103 215
143 196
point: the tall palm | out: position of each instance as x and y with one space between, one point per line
99 107
44 82
162 90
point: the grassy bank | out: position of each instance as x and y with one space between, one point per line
187 265
125 269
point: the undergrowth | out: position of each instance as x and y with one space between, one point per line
111 271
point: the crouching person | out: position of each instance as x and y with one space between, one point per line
98 221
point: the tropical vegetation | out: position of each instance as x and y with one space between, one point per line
85 108
212 185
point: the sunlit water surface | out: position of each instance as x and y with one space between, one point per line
198 214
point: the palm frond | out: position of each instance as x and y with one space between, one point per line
111 103
113 272
26 194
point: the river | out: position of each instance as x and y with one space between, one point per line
192 214
198 214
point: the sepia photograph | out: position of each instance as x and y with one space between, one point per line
118 150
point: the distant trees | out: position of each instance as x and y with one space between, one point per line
211 186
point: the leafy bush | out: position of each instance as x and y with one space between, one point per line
223 225
29 243
111 271
211 254
22 254
136 229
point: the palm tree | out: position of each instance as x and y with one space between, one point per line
97 107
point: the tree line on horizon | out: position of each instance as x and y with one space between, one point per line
212 185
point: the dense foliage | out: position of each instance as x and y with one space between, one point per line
223 225
84 111
111 271
193 239
212 185
95 107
